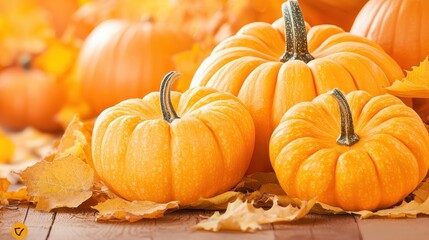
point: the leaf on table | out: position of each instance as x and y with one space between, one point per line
101 192
415 84
65 182
7 148
6 196
219 202
118 209
243 216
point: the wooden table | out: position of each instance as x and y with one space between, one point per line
66 224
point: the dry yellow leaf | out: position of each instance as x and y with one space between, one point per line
65 182
243 216
7 148
415 84
118 209
6 196
219 202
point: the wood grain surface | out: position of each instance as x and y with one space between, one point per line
65 224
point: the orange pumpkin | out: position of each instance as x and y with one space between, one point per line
121 59
144 150
60 12
29 97
341 13
380 156
401 27
250 65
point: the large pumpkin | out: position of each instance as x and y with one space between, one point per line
144 150
122 59
252 66
29 98
341 13
358 153
401 27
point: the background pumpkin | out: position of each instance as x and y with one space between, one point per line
401 27
123 59
143 150
375 162
60 12
29 97
248 65
341 13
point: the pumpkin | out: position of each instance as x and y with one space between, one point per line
60 12
29 98
173 146
401 27
341 13
250 65
123 59
358 153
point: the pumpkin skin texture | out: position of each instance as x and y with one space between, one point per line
376 162
30 98
146 152
248 66
341 13
401 27
122 59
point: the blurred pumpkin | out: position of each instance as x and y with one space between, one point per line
359 153
60 12
144 150
123 59
341 13
29 98
401 27
250 65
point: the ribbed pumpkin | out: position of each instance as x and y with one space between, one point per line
29 98
144 150
122 59
359 153
250 65
401 27
341 13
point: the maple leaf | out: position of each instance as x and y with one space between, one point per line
7 148
243 216
118 209
415 84
5 196
65 182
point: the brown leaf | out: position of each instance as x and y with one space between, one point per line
118 209
243 216
6 196
65 182
415 84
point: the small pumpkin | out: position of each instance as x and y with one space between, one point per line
341 13
380 156
123 59
144 149
29 98
268 80
401 27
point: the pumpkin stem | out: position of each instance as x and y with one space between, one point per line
25 61
348 136
167 109
295 33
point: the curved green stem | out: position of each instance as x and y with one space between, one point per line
295 33
348 136
167 109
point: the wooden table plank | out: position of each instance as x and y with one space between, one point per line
39 223
8 218
392 229
315 226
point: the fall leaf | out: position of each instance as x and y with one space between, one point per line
118 209
65 182
5 196
219 202
243 216
7 148
415 84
